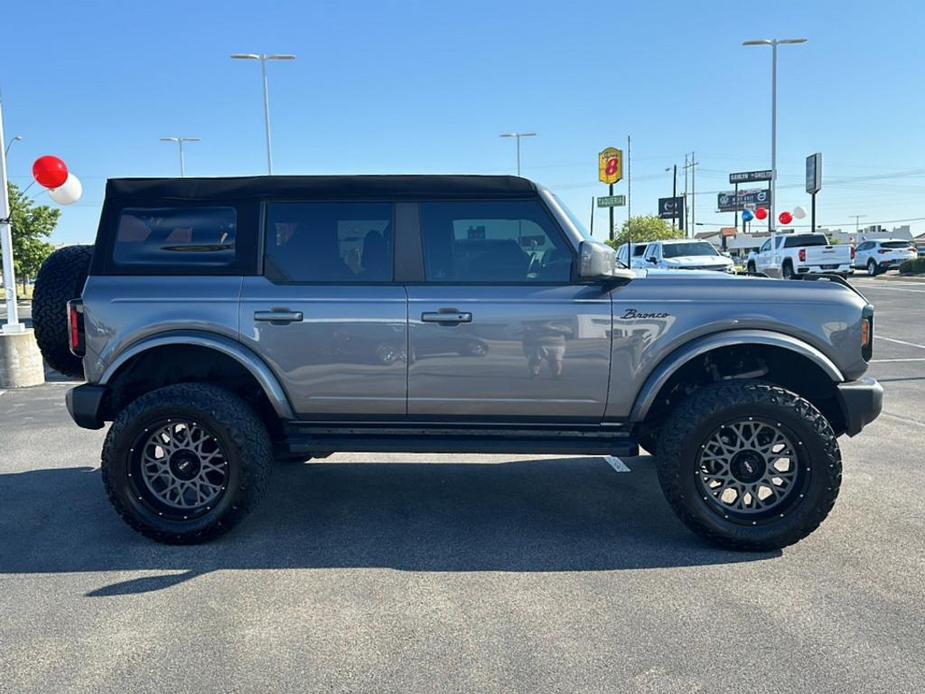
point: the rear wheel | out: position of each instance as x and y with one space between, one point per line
184 463
787 270
749 465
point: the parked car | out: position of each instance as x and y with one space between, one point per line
789 256
638 263
223 323
880 256
681 254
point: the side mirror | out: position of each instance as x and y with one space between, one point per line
598 261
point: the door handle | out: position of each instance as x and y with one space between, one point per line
446 317
278 316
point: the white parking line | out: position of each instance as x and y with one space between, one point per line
617 464
892 361
892 289
900 342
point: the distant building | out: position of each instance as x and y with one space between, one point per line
870 233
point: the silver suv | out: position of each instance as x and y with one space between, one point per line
227 322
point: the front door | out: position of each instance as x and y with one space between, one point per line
326 315
499 330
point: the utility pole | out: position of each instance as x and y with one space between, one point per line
693 194
690 211
687 213
857 223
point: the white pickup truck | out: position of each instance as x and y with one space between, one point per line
792 255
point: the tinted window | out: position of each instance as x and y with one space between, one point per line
676 250
329 242
895 244
803 240
171 236
766 246
864 246
502 241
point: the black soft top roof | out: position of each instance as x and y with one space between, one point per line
412 187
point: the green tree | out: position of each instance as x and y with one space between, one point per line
32 224
645 229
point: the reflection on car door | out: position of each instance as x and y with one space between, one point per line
499 330
326 315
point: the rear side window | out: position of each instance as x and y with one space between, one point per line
171 236
503 241
329 242
804 240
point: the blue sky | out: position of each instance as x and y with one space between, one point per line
424 87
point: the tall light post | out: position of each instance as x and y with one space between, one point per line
773 43
263 58
17 138
180 141
517 137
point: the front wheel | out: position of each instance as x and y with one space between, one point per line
872 267
749 465
184 463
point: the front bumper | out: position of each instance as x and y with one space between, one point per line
85 405
860 402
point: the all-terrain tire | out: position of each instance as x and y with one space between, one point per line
60 279
751 268
787 272
818 473
243 440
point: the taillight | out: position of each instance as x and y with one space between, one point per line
867 333
75 322
854 252
802 255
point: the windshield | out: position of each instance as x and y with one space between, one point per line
676 250
571 216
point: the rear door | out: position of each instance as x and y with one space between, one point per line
326 314
499 329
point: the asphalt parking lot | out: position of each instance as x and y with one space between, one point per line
466 573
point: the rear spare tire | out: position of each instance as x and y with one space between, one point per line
61 279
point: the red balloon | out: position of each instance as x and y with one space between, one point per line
49 171
761 213
785 218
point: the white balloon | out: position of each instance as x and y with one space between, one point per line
68 192
799 212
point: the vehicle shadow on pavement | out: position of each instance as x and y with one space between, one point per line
568 514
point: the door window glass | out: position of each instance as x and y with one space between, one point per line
504 241
329 242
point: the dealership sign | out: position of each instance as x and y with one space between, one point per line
814 173
750 176
729 202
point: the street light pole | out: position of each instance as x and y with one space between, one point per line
773 43
17 138
263 58
517 137
6 246
180 141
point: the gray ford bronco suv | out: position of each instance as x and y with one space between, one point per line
224 323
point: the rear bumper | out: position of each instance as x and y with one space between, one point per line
85 405
860 402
